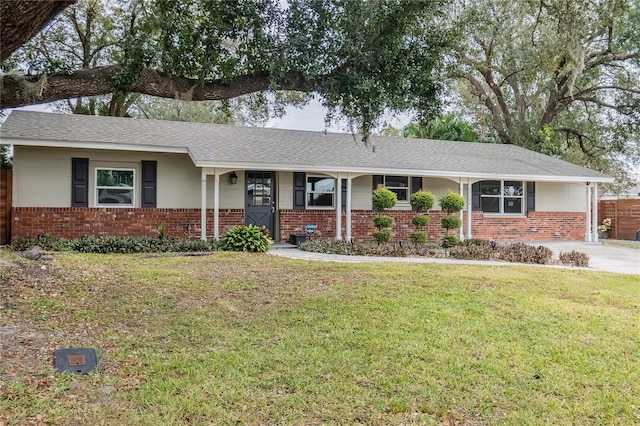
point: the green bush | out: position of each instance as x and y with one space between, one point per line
451 202
419 237
451 222
114 244
382 237
383 222
421 220
383 199
422 201
245 238
450 241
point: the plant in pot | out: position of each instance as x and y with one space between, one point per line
603 229
383 199
421 202
451 203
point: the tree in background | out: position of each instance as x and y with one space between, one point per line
361 58
560 77
446 127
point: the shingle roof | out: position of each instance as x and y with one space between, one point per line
214 145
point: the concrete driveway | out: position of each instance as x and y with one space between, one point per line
603 255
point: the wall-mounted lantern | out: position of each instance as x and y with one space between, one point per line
233 178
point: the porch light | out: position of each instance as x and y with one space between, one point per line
233 178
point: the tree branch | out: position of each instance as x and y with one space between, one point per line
19 91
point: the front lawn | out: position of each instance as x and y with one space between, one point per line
254 339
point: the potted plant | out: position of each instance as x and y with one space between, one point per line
603 229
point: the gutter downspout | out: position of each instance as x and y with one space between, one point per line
469 208
588 236
203 206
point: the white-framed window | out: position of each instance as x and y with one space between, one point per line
502 196
321 191
399 185
115 187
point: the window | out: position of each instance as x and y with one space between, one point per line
115 187
502 196
320 191
399 185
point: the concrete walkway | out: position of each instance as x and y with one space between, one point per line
602 256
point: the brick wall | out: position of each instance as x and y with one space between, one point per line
74 222
68 222
536 226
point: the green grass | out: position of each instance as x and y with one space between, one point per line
254 339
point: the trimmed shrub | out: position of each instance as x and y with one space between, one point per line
421 220
383 222
245 238
422 201
382 237
383 198
451 222
451 202
450 241
419 237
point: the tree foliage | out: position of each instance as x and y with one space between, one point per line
362 58
448 127
557 77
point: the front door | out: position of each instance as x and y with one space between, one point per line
260 200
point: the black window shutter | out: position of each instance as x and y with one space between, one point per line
343 193
149 184
531 196
377 180
79 182
416 184
299 184
475 196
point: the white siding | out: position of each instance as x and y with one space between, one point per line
438 187
284 180
561 197
42 178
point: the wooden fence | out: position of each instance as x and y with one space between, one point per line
624 215
6 179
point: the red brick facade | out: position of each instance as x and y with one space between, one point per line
535 226
74 222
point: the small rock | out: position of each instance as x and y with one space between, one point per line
34 253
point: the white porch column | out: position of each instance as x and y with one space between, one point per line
587 236
469 208
216 205
347 217
595 212
461 213
203 207
339 207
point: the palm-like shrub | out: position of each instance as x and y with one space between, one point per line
421 201
451 203
382 199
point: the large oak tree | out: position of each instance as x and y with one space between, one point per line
560 77
361 57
